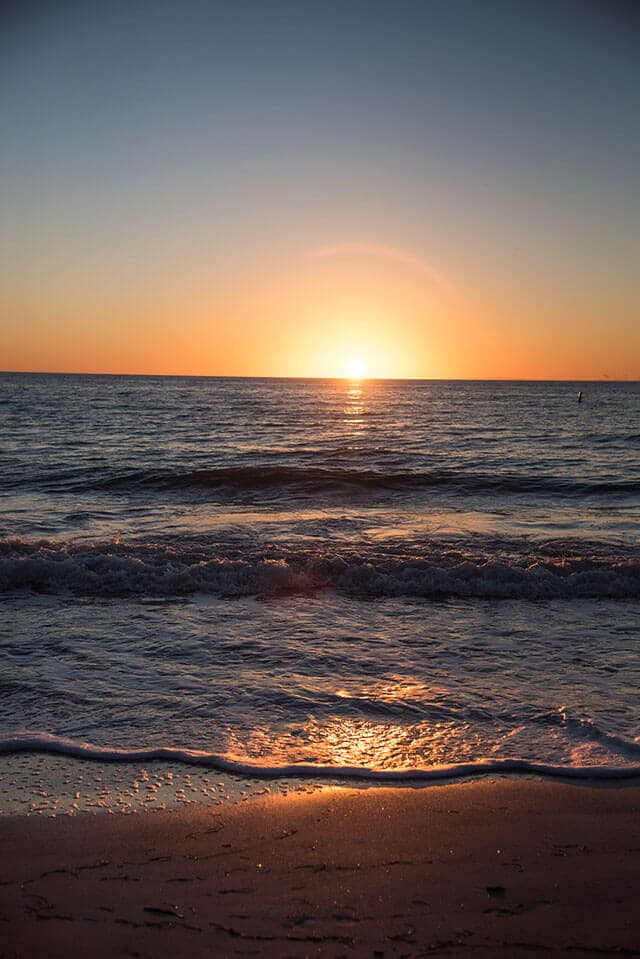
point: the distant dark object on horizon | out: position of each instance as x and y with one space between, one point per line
579 396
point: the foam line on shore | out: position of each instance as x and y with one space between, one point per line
47 743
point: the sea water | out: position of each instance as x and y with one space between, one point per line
372 579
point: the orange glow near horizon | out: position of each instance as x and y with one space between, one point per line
343 311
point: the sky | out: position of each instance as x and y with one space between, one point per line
442 188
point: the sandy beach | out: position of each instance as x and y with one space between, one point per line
501 867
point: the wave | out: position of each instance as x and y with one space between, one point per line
177 568
47 743
316 480
587 729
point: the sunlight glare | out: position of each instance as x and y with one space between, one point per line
355 368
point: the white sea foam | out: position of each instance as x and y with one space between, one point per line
182 567
47 743
587 729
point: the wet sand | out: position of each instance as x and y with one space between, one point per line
507 867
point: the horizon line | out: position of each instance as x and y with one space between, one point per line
372 379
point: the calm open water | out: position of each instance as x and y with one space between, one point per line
392 575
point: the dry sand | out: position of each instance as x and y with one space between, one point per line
508 867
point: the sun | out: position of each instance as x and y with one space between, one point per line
355 368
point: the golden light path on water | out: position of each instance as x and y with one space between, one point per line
346 741
358 741
354 409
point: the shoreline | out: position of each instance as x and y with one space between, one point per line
505 866
50 784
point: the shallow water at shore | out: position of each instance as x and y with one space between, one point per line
330 681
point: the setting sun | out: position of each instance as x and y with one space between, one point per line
355 368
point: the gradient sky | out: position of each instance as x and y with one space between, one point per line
437 188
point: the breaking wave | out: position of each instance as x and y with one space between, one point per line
176 568
587 729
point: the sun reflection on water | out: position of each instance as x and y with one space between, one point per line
363 741
354 409
345 741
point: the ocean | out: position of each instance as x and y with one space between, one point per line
383 580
